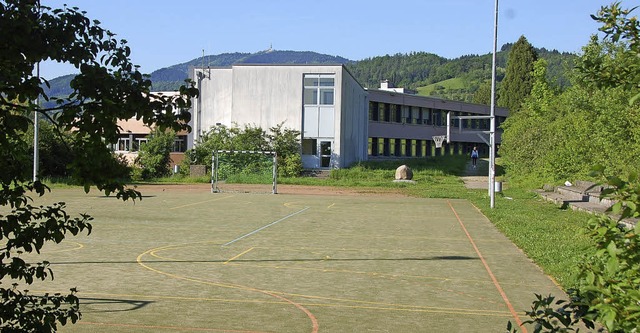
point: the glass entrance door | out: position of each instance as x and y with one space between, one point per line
325 154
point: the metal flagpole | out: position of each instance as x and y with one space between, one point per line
492 130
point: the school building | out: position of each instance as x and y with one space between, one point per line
341 122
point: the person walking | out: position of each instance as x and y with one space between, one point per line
474 157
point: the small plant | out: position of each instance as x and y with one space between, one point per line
549 315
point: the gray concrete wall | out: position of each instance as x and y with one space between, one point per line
213 105
267 95
354 118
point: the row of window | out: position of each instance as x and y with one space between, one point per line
419 148
134 143
406 114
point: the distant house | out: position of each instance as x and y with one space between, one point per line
341 122
134 134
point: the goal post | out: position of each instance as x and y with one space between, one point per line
230 163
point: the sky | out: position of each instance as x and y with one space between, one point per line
162 33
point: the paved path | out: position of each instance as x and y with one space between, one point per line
478 177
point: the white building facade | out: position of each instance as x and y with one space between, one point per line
324 102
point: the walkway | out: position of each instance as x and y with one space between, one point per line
477 178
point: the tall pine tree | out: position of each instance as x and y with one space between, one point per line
518 81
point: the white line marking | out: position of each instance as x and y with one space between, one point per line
266 226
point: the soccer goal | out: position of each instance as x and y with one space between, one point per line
244 171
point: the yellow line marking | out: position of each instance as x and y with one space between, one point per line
490 313
201 202
310 315
331 205
77 247
238 256
364 304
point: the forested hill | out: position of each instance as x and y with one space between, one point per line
428 73
455 79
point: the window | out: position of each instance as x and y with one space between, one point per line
373 111
123 144
318 89
309 147
179 145
398 113
387 112
138 143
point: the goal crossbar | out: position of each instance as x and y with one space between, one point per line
215 160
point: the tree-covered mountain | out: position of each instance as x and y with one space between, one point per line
456 79
428 73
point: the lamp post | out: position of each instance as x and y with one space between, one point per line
36 127
492 130
36 130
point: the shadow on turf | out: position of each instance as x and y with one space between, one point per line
270 260
111 305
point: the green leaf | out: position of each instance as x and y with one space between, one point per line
634 99
612 249
617 208
612 266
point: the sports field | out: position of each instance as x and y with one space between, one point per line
187 260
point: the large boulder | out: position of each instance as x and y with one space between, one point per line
403 172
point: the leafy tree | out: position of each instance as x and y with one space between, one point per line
483 94
285 142
518 79
53 150
602 130
614 62
155 155
541 90
564 136
109 87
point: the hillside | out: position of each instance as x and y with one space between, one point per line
455 79
428 73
